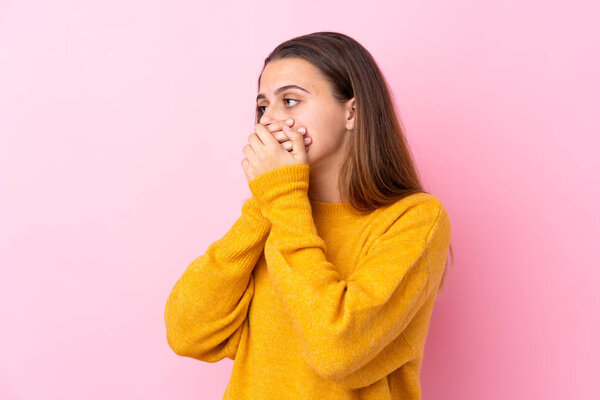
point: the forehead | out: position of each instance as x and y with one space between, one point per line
291 71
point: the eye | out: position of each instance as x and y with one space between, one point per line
262 108
291 100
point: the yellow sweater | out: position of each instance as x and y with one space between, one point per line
311 300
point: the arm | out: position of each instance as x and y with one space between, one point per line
208 305
345 326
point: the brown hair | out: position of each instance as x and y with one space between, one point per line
378 168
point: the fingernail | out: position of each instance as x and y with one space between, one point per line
306 139
289 121
302 130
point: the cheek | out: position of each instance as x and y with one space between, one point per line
321 142
319 124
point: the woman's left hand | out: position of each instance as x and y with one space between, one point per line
264 153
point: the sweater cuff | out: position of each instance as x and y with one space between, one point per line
251 209
282 194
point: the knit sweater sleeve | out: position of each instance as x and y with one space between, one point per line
346 326
206 309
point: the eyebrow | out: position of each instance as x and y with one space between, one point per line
281 89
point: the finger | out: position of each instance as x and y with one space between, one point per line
281 136
278 125
298 146
288 144
248 152
265 136
245 163
254 141
276 130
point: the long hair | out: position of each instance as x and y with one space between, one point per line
378 167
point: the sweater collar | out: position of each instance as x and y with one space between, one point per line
324 209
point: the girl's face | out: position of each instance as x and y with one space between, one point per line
294 88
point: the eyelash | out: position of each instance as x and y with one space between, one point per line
259 108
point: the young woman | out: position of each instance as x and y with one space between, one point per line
324 286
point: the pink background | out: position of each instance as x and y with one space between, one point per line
121 132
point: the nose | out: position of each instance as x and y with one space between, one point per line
271 115
265 120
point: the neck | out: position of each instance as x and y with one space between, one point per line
323 187
324 175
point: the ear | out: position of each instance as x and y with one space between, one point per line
350 114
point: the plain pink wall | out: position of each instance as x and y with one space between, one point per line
121 132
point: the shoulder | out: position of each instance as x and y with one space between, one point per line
416 217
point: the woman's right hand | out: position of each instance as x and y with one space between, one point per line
276 128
